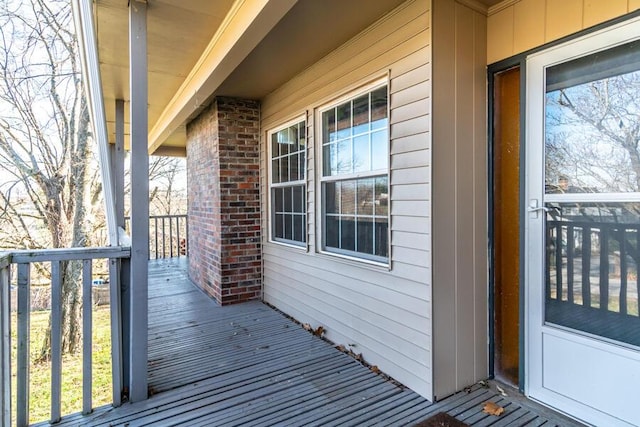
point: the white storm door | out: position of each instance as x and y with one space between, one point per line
582 230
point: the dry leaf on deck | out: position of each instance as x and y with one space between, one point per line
375 369
493 409
341 348
307 327
319 331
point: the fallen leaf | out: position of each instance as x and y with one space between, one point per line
501 391
307 327
375 369
493 409
359 357
319 331
341 348
483 384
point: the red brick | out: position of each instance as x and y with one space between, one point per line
224 203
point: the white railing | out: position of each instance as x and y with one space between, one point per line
22 261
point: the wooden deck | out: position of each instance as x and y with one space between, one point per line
248 365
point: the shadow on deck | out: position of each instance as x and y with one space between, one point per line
248 364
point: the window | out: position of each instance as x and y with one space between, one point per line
355 176
287 184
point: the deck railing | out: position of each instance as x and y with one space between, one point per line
21 262
592 278
168 236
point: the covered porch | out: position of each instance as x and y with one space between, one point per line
248 364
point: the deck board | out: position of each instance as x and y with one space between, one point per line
248 365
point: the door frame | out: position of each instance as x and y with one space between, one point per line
494 69
519 60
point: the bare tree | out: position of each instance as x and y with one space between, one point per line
167 195
44 141
593 135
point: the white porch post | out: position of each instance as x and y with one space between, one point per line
139 200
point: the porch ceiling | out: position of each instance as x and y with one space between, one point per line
201 48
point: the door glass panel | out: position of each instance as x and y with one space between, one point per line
592 137
592 126
592 258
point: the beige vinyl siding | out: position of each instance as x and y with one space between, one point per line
383 313
515 26
460 275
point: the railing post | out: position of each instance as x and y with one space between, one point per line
170 237
56 340
24 308
604 267
5 345
586 266
164 240
155 229
116 331
178 218
87 336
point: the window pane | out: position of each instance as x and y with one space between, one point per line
302 165
381 202
293 167
348 233
274 145
381 243
344 120
329 126
344 156
380 150
332 197
275 171
284 169
293 138
284 141
298 203
365 197
365 236
361 114
332 231
302 135
361 153
298 228
288 227
287 199
330 160
278 200
278 226
379 108
348 197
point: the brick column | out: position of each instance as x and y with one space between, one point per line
224 200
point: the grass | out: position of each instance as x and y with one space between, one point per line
40 373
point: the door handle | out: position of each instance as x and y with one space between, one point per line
538 208
533 208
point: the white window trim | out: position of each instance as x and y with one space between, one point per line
270 184
361 259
